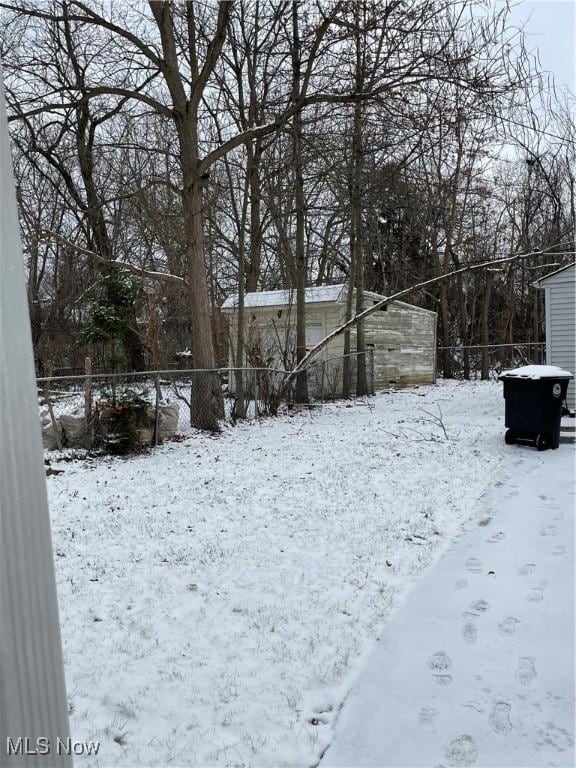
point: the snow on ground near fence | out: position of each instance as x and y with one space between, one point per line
476 668
217 595
70 399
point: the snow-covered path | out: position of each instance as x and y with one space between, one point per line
477 666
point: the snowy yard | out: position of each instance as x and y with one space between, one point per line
217 595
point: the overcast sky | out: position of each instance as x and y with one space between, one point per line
550 26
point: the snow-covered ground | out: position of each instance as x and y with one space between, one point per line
476 668
218 595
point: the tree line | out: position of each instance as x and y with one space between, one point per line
170 154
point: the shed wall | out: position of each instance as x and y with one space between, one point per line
403 337
265 328
404 346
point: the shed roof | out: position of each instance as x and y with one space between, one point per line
539 282
324 294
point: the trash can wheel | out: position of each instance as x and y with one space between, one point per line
509 437
542 441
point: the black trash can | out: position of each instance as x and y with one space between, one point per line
534 395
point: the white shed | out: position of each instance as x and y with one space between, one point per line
401 337
560 300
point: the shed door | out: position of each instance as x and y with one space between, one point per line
314 334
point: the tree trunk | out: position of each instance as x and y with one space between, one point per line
133 346
206 395
445 326
301 271
573 210
301 394
346 364
463 325
253 272
485 371
239 362
356 247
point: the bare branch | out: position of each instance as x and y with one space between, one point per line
139 271
406 292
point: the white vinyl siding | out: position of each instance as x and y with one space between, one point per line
560 295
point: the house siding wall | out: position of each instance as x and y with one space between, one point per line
560 297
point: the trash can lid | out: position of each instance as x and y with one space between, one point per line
536 372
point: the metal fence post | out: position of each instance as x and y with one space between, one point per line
88 400
371 358
53 422
255 393
157 409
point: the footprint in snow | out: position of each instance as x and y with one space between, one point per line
442 679
462 751
427 715
536 595
485 521
508 626
477 608
440 661
560 549
496 537
527 569
526 671
461 584
558 737
470 632
473 565
500 717
548 530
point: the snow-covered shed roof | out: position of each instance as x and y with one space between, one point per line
324 294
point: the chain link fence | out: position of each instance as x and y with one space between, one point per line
487 362
98 410
337 377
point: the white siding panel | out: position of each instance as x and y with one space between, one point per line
563 290
565 277
563 312
561 332
561 324
563 285
564 305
